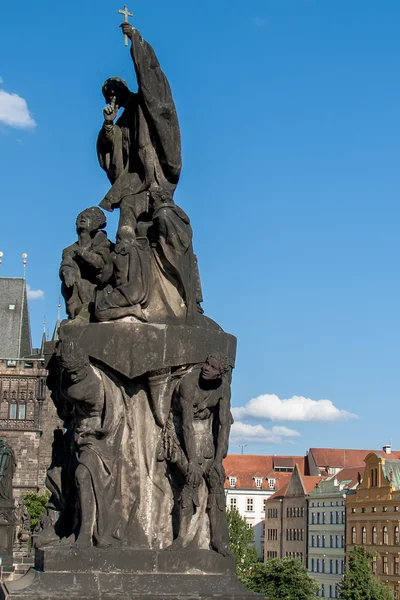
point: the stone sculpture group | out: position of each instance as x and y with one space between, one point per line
140 376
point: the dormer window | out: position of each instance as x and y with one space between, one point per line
271 483
232 482
258 481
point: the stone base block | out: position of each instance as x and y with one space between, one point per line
128 574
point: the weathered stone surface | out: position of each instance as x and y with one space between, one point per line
129 574
134 349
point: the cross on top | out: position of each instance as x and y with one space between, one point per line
126 14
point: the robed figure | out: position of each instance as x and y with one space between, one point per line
141 150
7 469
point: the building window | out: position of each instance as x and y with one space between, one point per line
396 565
17 410
364 536
233 502
250 504
272 535
396 535
374 564
13 410
353 510
374 536
258 481
385 537
353 536
385 565
373 509
384 509
232 482
264 504
271 483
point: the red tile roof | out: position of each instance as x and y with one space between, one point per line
245 467
338 457
394 454
281 493
350 475
309 483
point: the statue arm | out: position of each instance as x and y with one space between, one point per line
225 421
92 258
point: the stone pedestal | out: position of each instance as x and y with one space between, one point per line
128 574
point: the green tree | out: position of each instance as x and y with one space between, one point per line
240 540
359 582
283 579
36 504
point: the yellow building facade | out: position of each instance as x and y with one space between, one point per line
373 516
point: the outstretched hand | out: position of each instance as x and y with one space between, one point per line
127 29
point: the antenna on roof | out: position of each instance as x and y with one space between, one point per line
24 261
242 446
1 258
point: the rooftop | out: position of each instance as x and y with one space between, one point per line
247 467
15 335
326 458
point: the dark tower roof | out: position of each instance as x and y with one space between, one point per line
15 332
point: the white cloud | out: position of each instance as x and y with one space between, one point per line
34 294
260 22
14 111
258 434
270 407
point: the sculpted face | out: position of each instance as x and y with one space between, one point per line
116 91
77 374
84 221
211 369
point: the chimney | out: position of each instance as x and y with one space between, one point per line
387 449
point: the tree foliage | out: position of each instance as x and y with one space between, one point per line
283 579
240 539
359 582
36 504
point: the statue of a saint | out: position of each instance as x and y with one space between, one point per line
86 264
141 150
7 469
132 279
196 441
99 425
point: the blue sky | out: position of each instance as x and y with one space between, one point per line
290 118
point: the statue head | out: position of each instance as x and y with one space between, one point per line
115 87
91 219
213 368
74 361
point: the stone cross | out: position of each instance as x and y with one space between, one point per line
126 14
